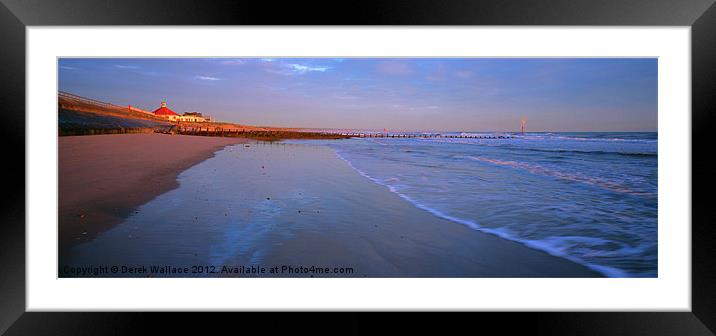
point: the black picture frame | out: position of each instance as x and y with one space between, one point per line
16 15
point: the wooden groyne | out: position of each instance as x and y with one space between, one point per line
288 134
249 133
414 135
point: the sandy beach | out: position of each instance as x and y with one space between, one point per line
275 205
103 178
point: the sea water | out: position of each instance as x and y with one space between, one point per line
587 197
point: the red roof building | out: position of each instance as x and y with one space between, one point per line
164 111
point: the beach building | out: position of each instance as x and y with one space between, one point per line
164 112
194 117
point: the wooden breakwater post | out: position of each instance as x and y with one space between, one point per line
409 136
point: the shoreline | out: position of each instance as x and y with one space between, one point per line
301 205
104 178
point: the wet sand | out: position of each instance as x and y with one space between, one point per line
276 205
103 178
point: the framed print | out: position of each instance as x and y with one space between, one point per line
475 157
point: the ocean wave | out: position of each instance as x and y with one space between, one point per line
584 151
554 245
512 146
571 177
595 139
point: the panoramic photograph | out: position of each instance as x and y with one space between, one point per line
357 167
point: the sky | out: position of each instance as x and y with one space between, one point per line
441 94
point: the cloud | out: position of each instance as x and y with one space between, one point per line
288 69
67 67
208 78
119 66
267 60
299 68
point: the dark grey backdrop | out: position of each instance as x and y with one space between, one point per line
15 15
